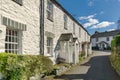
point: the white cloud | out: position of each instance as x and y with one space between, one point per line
111 29
94 23
91 22
87 17
103 24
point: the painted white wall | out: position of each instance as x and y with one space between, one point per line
56 27
27 14
100 39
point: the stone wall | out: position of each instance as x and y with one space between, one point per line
56 27
27 14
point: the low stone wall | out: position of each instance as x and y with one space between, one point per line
61 70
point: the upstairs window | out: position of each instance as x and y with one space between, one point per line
20 2
65 21
79 32
73 28
96 39
107 39
49 10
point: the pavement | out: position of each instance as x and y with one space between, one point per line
96 67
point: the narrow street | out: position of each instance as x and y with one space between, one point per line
96 68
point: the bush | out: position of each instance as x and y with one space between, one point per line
108 48
115 60
95 48
82 54
22 67
115 56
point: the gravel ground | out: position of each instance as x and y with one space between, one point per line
96 68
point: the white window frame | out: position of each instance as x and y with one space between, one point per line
65 21
49 10
74 28
50 46
12 41
79 32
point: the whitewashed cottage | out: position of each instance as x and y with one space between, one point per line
102 40
41 27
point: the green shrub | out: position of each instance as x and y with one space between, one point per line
115 56
21 67
115 60
95 48
82 54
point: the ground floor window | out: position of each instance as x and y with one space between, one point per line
12 41
50 45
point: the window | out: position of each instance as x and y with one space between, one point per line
11 41
49 45
85 36
20 2
96 45
73 28
96 39
65 21
79 32
49 10
107 38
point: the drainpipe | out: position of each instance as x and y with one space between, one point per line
41 27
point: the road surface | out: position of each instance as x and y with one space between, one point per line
96 68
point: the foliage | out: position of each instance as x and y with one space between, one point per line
95 48
115 60
116 41
115 56
82 54
108 48
63 64
21 67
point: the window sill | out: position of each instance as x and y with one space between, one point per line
50 19
65 28
49 55
21 4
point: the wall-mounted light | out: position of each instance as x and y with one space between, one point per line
0 31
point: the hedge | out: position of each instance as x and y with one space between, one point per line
22 67
116 41
115 56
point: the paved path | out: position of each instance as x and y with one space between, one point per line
96 68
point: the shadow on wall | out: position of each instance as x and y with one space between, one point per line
100 69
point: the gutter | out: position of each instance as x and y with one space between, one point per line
41 44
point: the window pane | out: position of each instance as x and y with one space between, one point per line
11 40
49 45
49 10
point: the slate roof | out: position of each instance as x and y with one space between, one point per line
105 34
66 37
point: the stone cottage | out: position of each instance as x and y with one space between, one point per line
63 35
41 27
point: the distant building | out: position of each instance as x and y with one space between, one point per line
102 40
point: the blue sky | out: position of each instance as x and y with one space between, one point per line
94 15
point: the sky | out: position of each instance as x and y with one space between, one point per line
94 15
